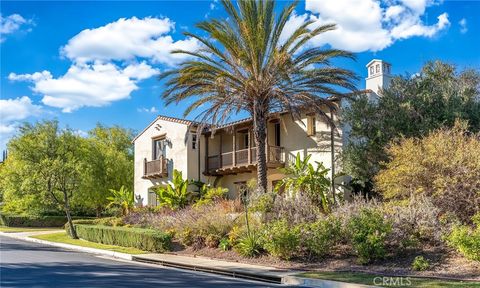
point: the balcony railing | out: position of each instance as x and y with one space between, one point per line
244 157
155 168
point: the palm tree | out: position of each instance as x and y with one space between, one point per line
246 64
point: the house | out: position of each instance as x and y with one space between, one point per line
226 155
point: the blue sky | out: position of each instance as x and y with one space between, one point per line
52 67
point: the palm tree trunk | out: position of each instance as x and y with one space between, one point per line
260 134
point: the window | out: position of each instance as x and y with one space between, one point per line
277 134
158 148
377 68
311 126
152 198
194 141
245 141
372 70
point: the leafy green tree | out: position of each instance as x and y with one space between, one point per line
49 160
250 62
107 163
412 106
304 177
123 198
175 194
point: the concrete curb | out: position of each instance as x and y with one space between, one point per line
114 254
234 273
311 282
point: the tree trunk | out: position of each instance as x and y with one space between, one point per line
260 134
73 231
332 148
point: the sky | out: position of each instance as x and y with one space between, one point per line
90 62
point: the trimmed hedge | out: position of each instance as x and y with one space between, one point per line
33 221
143 239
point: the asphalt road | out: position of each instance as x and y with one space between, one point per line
26 264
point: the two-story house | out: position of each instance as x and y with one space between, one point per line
226 155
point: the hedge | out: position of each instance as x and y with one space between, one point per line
143 239
33 221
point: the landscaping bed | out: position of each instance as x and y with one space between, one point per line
447 264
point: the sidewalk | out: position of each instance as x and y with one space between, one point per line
232 269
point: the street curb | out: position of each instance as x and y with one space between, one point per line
114 254
263 277
302 281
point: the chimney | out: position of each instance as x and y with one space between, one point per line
378 75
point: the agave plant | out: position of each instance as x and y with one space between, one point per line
302 176
123 198
175 194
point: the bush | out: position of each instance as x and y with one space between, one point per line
143 239
32 221
368 233
415 223
319 237
249 245
224 244
420 264
467 240
281 239
444 165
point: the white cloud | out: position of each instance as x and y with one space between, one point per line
37 76
463 26
148 110
11 24
17 109
12 111
369 25
95 85
127 39
108 62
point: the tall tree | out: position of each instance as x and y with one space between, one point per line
249 62
412 106
49 157
107 164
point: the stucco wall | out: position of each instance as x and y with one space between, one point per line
178 144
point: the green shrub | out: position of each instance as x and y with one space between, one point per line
368 232
210 194
32 221
420 264
224 244
143 239
320 236
249 245
281 239
466 241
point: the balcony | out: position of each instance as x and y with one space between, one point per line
155 168
243 160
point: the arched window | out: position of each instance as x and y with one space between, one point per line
377 68
371 70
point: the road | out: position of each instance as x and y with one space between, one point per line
26 264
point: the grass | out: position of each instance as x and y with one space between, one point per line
24 229
62 237
370 279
